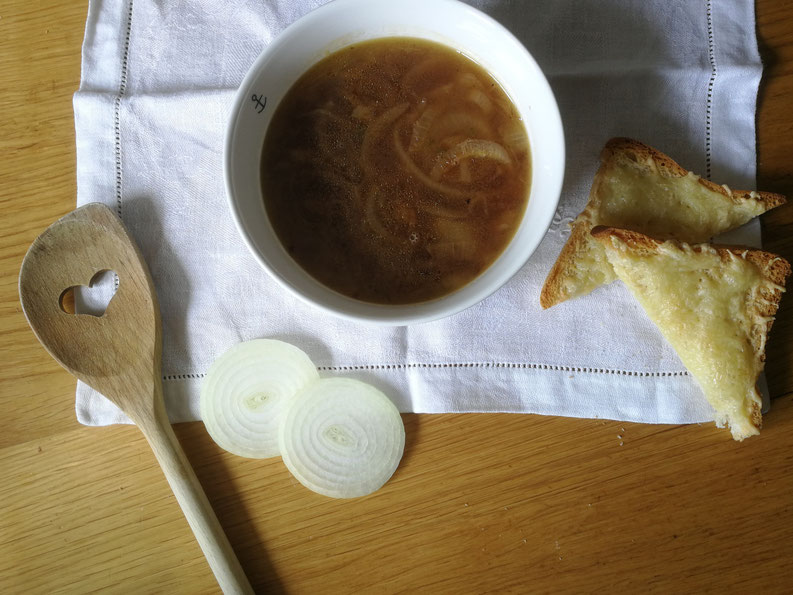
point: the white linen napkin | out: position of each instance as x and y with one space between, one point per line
157 84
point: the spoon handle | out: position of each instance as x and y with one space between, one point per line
194 503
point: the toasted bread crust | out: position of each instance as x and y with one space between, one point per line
552 291
773 269
565 271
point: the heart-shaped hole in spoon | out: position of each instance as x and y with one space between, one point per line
92 299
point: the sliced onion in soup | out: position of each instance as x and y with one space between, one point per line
421 128
419 175
472 147
375 129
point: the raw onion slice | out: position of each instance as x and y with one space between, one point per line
341 438
244 393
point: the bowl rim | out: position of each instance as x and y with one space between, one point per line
390 314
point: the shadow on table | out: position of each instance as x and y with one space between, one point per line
233 514
777 224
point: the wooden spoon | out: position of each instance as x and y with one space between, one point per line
118 353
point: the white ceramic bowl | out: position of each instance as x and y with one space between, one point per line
338 24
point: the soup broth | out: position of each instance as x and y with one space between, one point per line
395 171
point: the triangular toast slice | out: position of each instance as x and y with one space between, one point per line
715 306
640 188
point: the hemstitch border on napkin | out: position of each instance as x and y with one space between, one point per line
711 83
555 368
122 90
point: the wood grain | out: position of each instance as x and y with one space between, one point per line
118 353
39 70
775 169
86 509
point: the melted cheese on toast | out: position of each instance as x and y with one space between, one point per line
641 189
701 300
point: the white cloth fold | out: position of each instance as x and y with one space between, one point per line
157 83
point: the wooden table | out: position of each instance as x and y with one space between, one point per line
480 503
